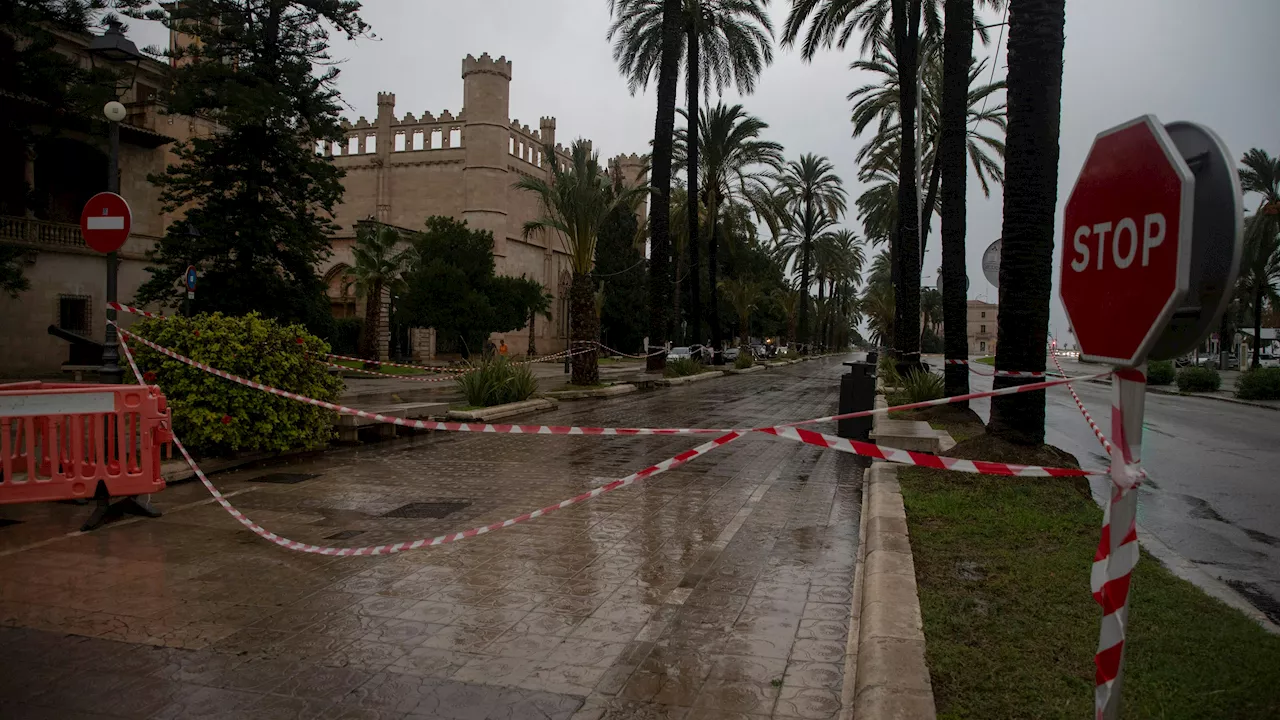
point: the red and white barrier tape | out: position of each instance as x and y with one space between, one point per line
973 368
134 311
414 378
907 457
295 545
429 368
1097 431
629 355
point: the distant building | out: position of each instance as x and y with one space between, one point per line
981 332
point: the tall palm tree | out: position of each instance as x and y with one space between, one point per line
838 260
815 197
957 59
1030 196
379 266
789 301
743 294
736 163
641 56
1261 267
576 202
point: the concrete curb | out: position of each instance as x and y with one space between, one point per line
501 411
604 392
670 382
745 371
1161 391
892 677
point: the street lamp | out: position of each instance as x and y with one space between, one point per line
111 49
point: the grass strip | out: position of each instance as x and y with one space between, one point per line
384 369
1002 565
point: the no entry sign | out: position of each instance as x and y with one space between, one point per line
105 222
1127 226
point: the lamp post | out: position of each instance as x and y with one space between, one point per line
107 50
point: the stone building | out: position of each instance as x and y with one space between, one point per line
982 327
401 170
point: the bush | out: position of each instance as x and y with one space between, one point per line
345 338
496 380
1161 372
921 385
887 370
1198 379
213 416
682 367
744 360
1259 384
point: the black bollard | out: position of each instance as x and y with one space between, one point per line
857 393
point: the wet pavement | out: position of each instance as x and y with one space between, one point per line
717 590
1214 492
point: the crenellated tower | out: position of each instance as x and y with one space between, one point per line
486 91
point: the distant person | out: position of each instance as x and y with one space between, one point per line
502 349
490 348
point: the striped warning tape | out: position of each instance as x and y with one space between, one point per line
298 546
907 457
606 348
973 368
414 378
134 311
429 368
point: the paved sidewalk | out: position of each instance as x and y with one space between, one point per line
1227 393
719 590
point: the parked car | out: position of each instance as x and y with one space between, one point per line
731 354
1268 360
680 353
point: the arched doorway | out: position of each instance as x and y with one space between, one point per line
340 287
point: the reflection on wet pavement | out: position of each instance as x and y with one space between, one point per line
721 589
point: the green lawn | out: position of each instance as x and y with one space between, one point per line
988 360
1003 570
384 369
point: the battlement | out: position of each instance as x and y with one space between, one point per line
386 98
629 159
485 64
547 122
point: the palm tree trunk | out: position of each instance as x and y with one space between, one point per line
803 330
695 247
533 350
713 262
584 330
931 196
675 296
1257 320
906 30
1030 197
660 182
372 319
957 51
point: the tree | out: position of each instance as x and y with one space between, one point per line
815 197
1030 197
257 192
379 265
47 93
1260 269
577 202
743 295
532 295
957 58
641 56
621 266
736 163
789 300
877 300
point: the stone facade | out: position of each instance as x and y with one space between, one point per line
401 170
982 327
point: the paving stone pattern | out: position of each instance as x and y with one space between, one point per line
719 590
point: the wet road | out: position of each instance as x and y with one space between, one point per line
1214 493
718 590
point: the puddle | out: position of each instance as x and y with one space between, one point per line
1203 510
1258 598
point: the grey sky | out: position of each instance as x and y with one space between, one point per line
1210 62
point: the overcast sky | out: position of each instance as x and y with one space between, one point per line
1214 63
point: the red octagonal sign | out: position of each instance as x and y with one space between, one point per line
1126 260
105 222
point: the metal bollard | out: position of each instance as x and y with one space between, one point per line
857 393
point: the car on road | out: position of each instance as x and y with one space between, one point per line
1268 360
680 353
731 353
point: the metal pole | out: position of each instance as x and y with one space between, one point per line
111 370
1112 586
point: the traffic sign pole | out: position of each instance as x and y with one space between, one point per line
1112 585
111 370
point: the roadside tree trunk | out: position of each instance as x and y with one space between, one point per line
906 33
584 330
1257 325
1030 198
372 319
713 302
660 181
533 350
956 53
691 172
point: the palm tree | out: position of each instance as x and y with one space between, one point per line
957 59
838 260
1030 196
1260 269
789 301
815 197
640 56
576 202
539 303
736 163
743 294
379 266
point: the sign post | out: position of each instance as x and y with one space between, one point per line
189 279
104 225
1152 242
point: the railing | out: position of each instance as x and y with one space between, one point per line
29 231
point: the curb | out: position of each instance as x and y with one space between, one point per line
501 411
745 371
604 392
1161 391
670 382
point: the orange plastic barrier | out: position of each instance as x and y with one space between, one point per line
60 441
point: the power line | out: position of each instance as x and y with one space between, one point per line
995 59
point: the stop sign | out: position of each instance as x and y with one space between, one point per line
1126 260
105 222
